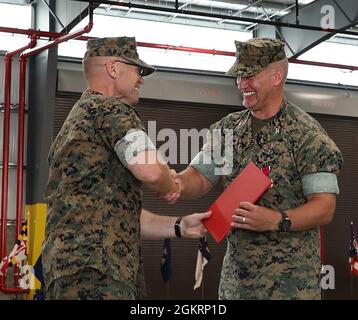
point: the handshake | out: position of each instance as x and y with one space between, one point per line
173 197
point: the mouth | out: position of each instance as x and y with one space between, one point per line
248 93
136 88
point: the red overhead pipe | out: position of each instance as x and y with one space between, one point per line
30 32
187 49
324 64
22 88
173 47
232 54
5 163
21 124
56 41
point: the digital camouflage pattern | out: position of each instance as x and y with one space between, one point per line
94 202
255 55
121 47
89 284
273 265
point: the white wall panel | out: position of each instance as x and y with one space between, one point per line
13 141
213 89
12 185
14 97
340 102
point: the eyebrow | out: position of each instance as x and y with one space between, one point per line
141 69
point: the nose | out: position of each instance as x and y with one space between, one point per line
242 83
141 80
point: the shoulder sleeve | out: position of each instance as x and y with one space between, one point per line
318 161
133 143
320 182
206 168
213 160
316 152
122 130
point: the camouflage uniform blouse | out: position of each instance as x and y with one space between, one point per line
94 202
272 265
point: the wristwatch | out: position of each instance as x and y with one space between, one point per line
177 228
285 223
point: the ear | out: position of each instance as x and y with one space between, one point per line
111 69
278 76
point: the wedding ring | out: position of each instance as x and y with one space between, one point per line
243 219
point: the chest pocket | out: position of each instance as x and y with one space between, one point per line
272 153
277 155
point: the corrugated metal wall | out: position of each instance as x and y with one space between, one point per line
344 131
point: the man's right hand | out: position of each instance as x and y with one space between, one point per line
173 197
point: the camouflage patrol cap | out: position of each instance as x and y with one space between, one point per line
255 55
122 47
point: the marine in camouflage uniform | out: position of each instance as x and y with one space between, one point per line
94 202
303 160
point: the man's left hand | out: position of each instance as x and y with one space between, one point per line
192 225
255 218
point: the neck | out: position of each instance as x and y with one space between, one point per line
103 90
269 110
109 92
102 85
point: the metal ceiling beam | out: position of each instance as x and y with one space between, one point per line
277 5
216 7
58 20
266 16
71 13
328 15
19 2
77 19
218 16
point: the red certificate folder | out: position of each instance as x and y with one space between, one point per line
249 185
